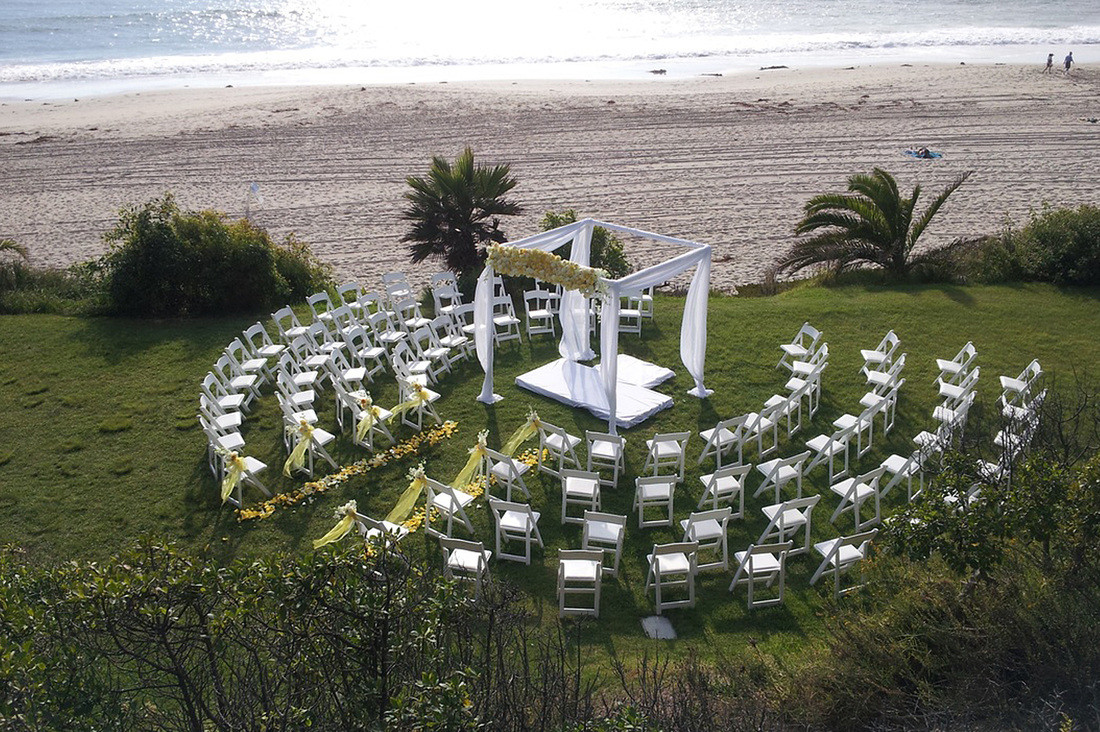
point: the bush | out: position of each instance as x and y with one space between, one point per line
1062 246
25 288
165 263
606 252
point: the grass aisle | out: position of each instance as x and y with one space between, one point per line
100 444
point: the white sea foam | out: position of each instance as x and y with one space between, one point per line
59 46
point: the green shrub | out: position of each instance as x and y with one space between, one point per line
606 252
25 288
1062 246
165 262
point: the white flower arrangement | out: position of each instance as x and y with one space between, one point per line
548 267
348 508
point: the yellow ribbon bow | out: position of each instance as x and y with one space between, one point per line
237 467
525 432
346 514
472 470
370 415
418 398
297 456
408 500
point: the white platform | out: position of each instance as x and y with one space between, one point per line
581 386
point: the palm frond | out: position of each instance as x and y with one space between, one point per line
10 245
922 223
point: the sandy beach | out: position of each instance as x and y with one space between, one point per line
724 160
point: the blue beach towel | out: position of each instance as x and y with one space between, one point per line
930 156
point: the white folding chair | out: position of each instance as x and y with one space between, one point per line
708 530
762 564
722 439
841 554
409 317
243 362
856 491
580 572
515 522
786 519
758 424
579 488
605 531
672 567
449 504
318 439
885 404
654 492
414 417
630 317
1018 390
540 312
215 391
362 349
826 449
237 381
386 333
287 323
467 561
428 350
561 447
953 394
904 468
374 530
260 343
779 472
507 472
444 344
862 424
959 366
224 420
883 381
881 356
789 407
606 451
250 475
725 485
505 322
642 301
349 294
800 347
320 304
667 450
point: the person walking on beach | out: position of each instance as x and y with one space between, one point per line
1069 62
1050 63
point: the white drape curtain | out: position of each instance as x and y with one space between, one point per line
574 344
580 234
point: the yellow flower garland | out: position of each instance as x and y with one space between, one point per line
411 446
548 267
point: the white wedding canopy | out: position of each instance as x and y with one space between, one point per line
574 345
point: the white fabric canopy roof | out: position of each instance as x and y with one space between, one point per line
574 345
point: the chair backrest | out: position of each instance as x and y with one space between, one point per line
349 293
237 354
581 555
804 506
319 302
256 336
793 460
807 336
442 278
463 314
721 515
370 302
679 437
690 548
591 436
501 458
391 277
499 508
730 471
859 541
285 319
607 518
449 545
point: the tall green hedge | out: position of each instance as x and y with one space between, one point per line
165 262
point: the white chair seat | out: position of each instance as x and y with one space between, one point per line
724 435
314 363
580 569
516 521
581 487
466 560
844 488
500 470
454 341
303 398
604 531
790 517
895 463
253 465
879 378
305 378
654 491
296 332
322 437
308 415
540 314
795 351
372 353
822 442
228 421
271 351
231 401
254 364
948 367
392 336
395 531
870 357
232 441
505 320
445 503
845 421
356 373
555 442
847 554
703 530
671 563
871 399
761 563
605 450
802 368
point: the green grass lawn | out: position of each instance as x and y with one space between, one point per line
99 443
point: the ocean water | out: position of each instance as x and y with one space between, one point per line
64 45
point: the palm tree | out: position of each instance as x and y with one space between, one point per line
9 245
455 211
872 223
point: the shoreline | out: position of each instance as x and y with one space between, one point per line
726 160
